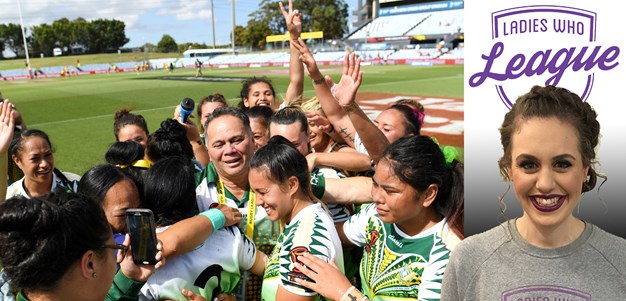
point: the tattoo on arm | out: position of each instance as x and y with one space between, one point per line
346 134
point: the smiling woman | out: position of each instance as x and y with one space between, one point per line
549 138
32 153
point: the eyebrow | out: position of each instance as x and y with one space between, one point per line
558 157
386 187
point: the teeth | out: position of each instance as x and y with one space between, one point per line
547 202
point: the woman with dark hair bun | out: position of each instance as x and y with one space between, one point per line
129 155
60 247
171 140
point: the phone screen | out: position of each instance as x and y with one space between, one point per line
142 235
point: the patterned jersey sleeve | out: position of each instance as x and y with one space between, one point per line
247 254
312 236
354 227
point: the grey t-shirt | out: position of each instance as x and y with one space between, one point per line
500 265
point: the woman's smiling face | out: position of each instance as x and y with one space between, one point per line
547 170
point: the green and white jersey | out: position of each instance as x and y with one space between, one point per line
396 266
339 213
266 232
311 230
17 188
209 269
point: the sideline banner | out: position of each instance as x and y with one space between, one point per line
513 45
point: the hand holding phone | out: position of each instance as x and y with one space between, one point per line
143 240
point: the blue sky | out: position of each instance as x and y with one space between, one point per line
146 20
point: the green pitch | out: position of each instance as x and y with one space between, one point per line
77 112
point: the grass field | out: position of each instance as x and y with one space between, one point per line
77 112
105 58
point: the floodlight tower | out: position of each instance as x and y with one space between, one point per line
19 9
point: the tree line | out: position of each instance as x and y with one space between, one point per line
96 36
103 35
329 16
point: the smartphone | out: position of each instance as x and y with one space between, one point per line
142 232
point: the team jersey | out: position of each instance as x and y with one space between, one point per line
311 230
17 188
265 231
209 269
339 213
396 266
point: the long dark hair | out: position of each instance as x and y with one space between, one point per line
170 190
419 162
97 181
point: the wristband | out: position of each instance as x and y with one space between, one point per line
353 294
319 81
216 217
351 107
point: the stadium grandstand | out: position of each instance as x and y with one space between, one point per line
415 32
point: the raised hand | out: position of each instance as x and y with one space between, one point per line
7 123
345 91
293 18
306 57
316 119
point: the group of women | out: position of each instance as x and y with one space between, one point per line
286 205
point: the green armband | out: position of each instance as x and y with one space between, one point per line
216 217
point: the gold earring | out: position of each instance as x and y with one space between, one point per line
94 275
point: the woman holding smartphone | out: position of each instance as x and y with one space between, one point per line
33 234
549 139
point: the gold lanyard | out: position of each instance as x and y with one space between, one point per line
221 198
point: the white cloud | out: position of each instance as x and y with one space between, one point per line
46 11
189 10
